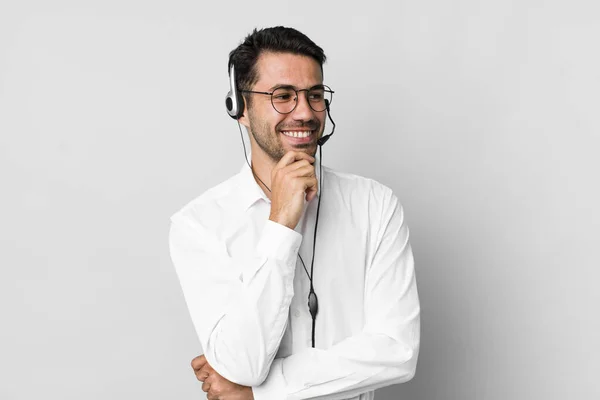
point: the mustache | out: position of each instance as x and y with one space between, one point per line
312 125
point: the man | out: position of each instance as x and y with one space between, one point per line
239 250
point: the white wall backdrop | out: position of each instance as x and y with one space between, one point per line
481 115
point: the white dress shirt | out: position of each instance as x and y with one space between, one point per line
247 291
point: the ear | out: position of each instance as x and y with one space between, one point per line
244 118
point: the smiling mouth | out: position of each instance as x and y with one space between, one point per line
297 134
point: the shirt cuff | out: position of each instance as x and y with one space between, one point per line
279 242
273 387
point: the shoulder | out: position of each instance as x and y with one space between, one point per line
364 199
209 210
358 187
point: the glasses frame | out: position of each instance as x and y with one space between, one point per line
324 87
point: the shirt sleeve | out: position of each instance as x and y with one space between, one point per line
384 353
239 308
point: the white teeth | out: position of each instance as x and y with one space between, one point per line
297 134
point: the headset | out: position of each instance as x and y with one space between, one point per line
233 100
235 105
235 108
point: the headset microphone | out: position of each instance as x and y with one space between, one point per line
325 138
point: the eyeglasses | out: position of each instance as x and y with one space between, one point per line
285 98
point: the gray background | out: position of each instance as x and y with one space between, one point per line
482 116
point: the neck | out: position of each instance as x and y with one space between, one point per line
262 165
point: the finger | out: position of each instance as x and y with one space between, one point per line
207 368
206 385
307 171
297 164
311 194
298 168
301 180
292 156
310 184
198 362
202 374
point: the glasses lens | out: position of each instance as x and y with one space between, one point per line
284 100
318 97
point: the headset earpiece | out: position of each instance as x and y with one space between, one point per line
233 101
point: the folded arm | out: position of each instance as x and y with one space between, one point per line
239 308
384 353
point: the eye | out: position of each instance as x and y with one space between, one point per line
282 95
316 95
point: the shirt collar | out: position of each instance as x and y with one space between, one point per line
251 192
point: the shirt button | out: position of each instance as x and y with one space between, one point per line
296 313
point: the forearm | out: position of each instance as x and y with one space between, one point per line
244 342
359 364
239 307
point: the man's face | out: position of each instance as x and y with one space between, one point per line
273 132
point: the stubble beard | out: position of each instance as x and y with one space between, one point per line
270 142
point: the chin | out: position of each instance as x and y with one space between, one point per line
309 148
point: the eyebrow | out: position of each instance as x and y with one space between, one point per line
282 86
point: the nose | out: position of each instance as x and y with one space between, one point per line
303 112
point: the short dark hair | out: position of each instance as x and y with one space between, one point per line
278 39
